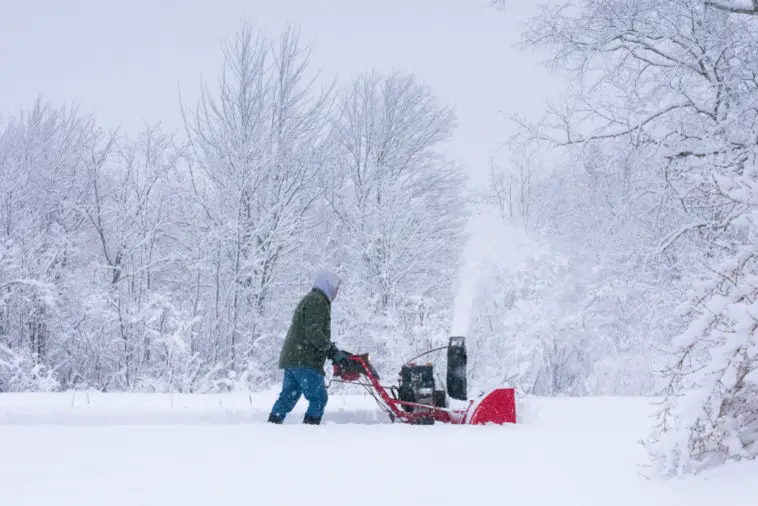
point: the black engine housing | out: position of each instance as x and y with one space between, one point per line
417 385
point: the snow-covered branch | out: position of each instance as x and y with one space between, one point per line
734 7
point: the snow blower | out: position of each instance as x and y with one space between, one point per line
416 399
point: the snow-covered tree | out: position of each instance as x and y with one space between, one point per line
673 81
399 209
41 153
568 303
710 413
128 208
258 150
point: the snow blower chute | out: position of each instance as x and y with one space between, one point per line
416 399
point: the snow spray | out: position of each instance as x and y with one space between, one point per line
492 244
470 275
475 259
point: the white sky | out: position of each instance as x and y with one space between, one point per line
125 61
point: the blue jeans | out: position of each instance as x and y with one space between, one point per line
301 381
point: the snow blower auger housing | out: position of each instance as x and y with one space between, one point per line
416 399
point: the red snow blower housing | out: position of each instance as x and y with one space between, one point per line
416 399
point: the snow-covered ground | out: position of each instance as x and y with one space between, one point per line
122 449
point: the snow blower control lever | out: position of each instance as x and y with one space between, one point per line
416 399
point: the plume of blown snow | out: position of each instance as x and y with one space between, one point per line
493 244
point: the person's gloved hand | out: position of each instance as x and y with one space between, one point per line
331 351
340 356
336 355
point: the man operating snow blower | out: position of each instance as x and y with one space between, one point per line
307 346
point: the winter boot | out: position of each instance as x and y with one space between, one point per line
272 418
312 420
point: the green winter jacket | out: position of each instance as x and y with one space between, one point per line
309 337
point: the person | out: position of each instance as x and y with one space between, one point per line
306 347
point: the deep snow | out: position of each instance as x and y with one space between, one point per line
121 449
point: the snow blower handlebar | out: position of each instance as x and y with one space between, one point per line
351 368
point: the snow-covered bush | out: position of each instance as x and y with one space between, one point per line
710 412
22 372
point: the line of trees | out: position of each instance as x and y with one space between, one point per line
654 204
173 260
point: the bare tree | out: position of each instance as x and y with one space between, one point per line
399 203
258 150
126 209
512 187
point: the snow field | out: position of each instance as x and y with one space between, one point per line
154 449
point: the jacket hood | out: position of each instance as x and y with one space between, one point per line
327 282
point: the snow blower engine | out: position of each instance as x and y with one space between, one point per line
417 384
417 400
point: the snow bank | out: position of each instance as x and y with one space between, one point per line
96 408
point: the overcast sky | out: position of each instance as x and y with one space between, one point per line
125 60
